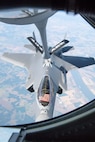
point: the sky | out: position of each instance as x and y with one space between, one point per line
59 26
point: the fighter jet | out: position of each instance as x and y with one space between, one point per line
47 67
47 76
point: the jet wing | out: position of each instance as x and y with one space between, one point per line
70 62
19 59
79 62
27 61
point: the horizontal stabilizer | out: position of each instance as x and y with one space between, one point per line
19 59
79 61
64 49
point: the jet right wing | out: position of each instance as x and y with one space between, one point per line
19 59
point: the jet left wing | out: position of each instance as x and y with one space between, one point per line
19 59
79 62
70 62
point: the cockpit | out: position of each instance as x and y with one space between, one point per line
44 91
